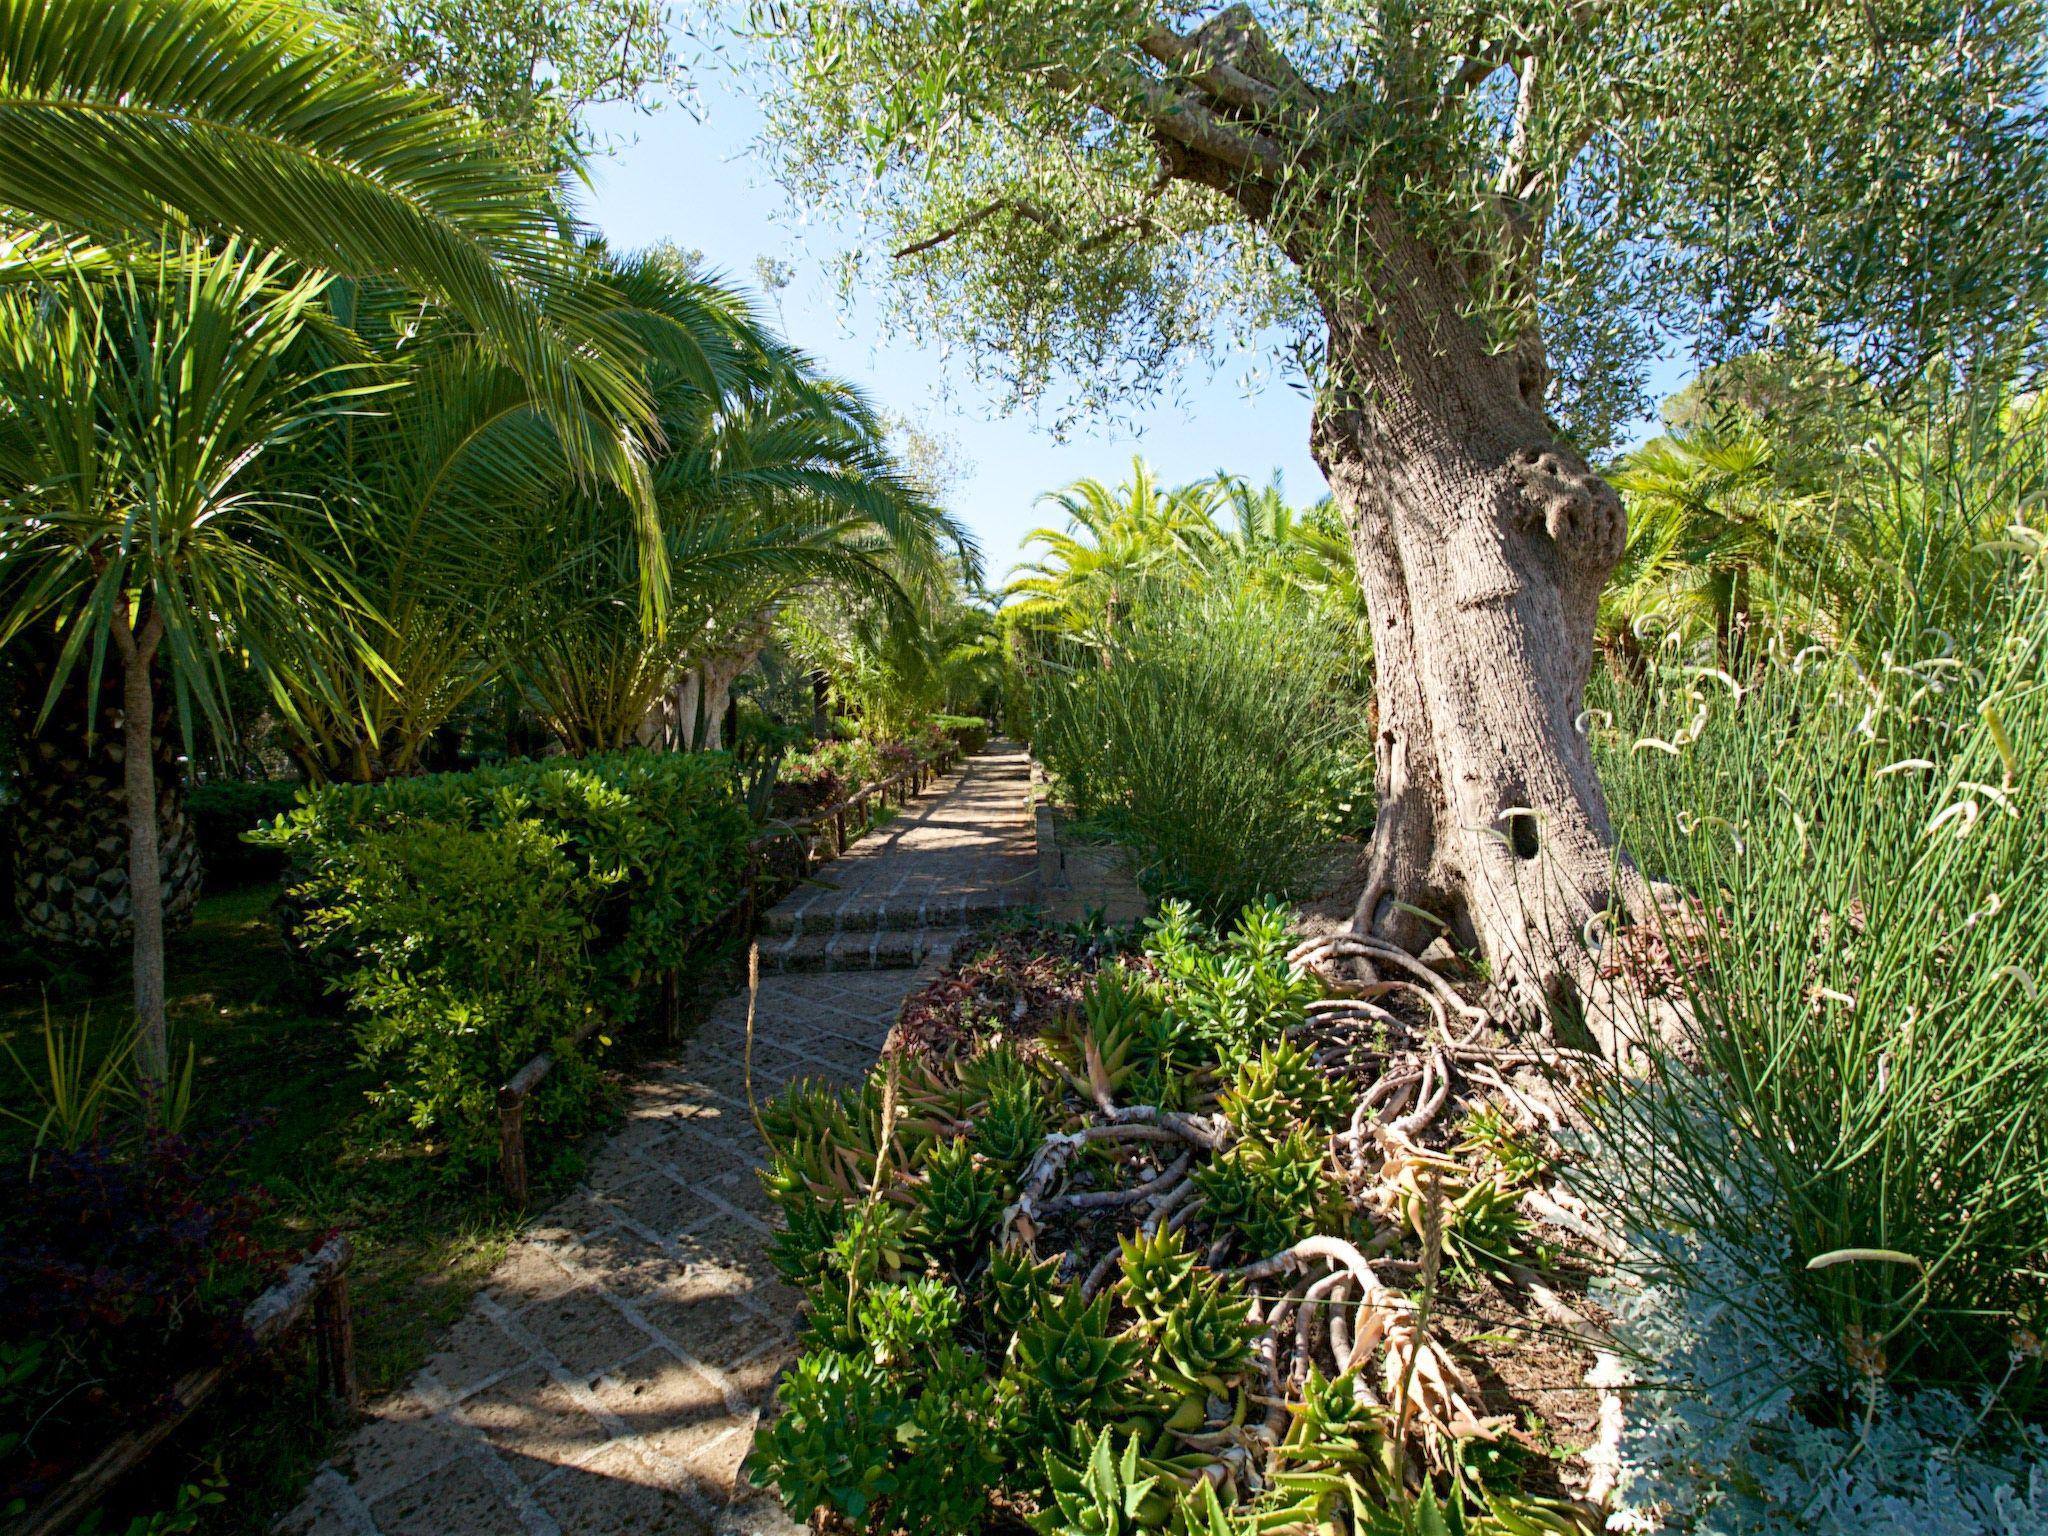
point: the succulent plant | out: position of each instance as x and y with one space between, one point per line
960 1200
1013 1287
1098 1492
1067 1368
1011 1124
1273 1194
1158 1273
848 1436
809 1228
1280 1088
1204 1341
1122 1032
908 1322
1482 1221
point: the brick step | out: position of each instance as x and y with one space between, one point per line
879 950
816 915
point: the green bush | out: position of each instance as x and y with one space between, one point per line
1219 739
470 954
222 811
598 872
664 833
969 732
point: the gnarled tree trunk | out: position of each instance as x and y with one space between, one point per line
1482 542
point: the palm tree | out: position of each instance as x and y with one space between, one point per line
144 400
1723 536
264 119
458 495
778 487
1112 538
1272 543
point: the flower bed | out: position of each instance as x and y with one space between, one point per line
1174 1242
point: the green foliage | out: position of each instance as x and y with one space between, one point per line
1101 1492
960 1201
659 835
467 956
885 1451
222 810
1861 956
1090 199
1068 1367
1280 1088
1211 737
1014 1287
475 919
1010 1124
1271 1193
1236 994
527 76
969 732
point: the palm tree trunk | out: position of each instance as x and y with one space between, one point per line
145 878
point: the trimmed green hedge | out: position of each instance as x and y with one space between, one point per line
969 732
473 919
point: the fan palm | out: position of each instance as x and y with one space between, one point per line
1721 536
142 403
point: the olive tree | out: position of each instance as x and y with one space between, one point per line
1475 222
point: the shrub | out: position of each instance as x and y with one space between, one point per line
1218 739
121 1268
474 919
222 811
469 954
969 732
662 833
1742 1425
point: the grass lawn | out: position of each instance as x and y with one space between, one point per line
268 1042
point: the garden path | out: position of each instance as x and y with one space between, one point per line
609 1375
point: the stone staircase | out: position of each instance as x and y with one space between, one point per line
959 856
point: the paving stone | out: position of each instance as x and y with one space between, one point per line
565 1402
584 1331
475 1351
534 1423
614 1494
461 1496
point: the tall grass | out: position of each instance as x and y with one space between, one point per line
1218 737
1857 1116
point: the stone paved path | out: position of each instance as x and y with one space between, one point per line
608 1377
905 893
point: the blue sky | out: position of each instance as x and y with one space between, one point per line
694 179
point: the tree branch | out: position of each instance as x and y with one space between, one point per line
1229 57
1197 128
1010 205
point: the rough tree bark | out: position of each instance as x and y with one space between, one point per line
137 650
1482 541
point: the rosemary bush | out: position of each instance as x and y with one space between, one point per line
1219 738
